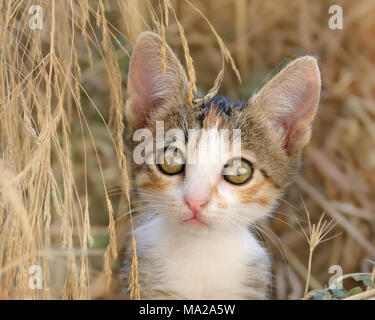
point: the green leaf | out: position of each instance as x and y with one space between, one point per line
354 291
321 294
339 293
368 282
318 294
365 279
328 296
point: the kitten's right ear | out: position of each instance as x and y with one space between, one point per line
149 89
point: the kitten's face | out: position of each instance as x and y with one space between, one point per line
223 187
219 200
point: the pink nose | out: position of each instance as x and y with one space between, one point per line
195 205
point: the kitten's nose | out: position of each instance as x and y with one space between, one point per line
195 205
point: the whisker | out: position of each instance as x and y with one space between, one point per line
283 252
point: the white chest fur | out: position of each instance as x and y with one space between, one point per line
177 264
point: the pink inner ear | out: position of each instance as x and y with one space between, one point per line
297 122
141 87
139 103
143 104
291 137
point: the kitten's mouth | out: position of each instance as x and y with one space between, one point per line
195 220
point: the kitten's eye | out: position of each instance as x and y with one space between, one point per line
171 161
238 171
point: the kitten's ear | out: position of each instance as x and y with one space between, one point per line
289 101
148 87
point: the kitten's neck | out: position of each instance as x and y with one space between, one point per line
218 264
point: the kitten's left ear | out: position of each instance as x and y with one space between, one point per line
289 102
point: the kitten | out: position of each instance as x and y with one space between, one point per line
195 241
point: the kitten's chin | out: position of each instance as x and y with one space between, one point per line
195 228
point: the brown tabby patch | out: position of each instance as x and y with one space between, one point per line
213 119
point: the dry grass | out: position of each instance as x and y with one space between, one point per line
63 173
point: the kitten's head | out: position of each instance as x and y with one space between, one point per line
223 187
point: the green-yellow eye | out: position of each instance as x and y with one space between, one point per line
238 171
171 161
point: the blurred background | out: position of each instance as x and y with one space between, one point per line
63 184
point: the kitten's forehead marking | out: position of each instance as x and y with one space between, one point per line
213 119
204 175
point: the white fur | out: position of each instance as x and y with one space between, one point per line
213 265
